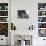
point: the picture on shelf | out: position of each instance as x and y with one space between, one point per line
22 14
4 29
41 25
41 13
3 19
41 6
42 33
3 13
41 19
3 6
6 7
3 26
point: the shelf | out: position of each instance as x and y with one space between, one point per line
3 22
41 10
41 19
3 10
41 28
41 22
42 16
3 16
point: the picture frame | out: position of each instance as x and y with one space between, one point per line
22 14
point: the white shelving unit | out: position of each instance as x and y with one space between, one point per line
4 23
42 18
4 17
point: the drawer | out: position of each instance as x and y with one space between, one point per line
3 41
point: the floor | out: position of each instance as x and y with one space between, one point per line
3 45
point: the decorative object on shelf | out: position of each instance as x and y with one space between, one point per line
31 27
22 14
41 6
42 32
43 13
6 7
40 25
3 6
41 19
3 19
13 27
3 13
4 26
0 7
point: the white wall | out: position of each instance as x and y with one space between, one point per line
23 24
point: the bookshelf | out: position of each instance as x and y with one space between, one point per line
4 19
42 19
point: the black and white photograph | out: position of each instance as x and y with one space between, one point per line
41 6
41 19
22 14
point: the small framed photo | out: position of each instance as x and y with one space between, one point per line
22 14
42 33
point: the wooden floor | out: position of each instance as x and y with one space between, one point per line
3 45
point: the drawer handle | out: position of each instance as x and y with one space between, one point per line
43 39
1 39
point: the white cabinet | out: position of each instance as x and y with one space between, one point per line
42 19
41 41
4 21
3 40
42 24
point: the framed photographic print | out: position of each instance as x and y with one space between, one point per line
22 14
